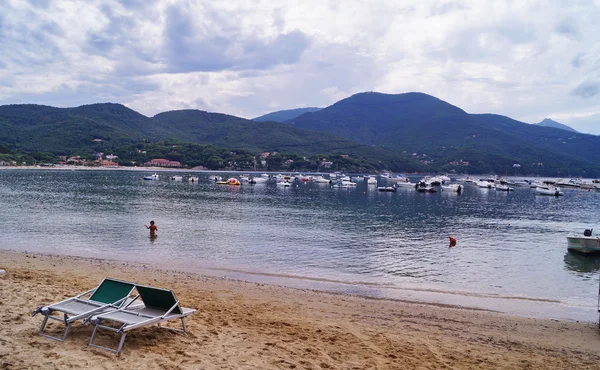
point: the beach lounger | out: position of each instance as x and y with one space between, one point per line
159 305
110 294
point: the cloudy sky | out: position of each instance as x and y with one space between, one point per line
524 59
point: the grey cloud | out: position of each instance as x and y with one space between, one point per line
40 3
567 28
114 35
88 91
224 46
578 60
447 7
587 89
517 32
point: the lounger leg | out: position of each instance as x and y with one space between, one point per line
121 342
183 324
66 331
91 343
43 324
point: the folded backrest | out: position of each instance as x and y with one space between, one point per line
161 299
110 291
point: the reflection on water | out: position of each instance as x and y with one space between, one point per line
508 244
582 262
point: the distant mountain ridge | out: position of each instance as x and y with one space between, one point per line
547 122
401 132
285 115
441 133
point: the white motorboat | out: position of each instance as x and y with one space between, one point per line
284 183
503 187
407 185
486 184
456 188
548 190
321 180
571 183
176 178
193 179
390 189
258 180
371 180
586 243
397 178
151 177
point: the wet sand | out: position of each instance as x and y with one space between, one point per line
242 325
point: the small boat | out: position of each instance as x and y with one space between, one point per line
321 180
387 188
504 188
548 190
230 181
588 243
426 189
176 178
456 188
285 183
406 184
193 179
485 184
151 177
371 180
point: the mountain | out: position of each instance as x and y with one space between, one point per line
439 132
284 115
229 131
115 128
547 122
398 132
64 130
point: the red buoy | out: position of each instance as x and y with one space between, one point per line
452 241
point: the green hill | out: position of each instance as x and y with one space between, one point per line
441 133
398 132
284 115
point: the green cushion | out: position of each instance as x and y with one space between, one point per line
110 291
161 299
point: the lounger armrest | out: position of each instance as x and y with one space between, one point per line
170 310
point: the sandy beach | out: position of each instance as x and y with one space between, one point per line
243 325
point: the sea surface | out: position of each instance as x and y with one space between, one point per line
511 253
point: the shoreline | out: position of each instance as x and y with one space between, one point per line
243 325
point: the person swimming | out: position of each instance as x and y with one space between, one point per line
153 229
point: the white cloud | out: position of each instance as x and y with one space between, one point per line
527 60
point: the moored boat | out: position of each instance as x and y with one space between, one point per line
503 187
151 177
586 243
387 188
456 188
548 190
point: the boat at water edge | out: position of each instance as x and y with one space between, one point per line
586 243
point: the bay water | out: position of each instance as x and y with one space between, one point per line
511 253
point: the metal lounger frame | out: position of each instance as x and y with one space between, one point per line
69 320
125 328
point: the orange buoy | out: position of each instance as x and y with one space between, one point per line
452 241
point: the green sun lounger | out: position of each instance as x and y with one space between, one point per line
109 295
159 305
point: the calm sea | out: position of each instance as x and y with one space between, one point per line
511 253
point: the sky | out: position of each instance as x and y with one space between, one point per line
524 59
